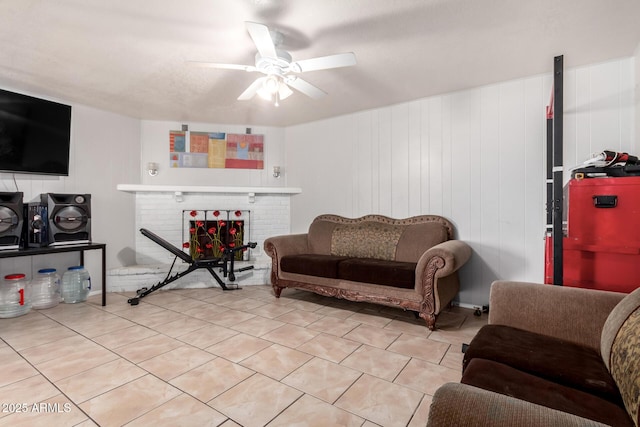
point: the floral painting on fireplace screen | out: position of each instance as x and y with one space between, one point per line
188 149
207 233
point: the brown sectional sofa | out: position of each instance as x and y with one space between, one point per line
410 263
550 356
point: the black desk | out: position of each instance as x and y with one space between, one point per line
47 250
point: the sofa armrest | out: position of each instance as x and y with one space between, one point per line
278 246
435 278
454 253
456 404
573 314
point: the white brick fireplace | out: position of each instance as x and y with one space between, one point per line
160 209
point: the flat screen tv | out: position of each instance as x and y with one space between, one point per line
34 135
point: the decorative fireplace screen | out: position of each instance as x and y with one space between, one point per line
206 233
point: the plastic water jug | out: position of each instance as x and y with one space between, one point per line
76 284
44 289
14 300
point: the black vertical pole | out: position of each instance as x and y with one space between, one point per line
549 181
558 234
548 231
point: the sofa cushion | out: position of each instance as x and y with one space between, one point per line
416 239
378 236
617 317
312 264
378 272
503 379
560 361
319 236
625 363
366 239
620 350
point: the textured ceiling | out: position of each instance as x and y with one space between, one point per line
129 56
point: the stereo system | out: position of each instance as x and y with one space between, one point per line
59 219
11 220
51 219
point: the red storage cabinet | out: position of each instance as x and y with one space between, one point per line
601 249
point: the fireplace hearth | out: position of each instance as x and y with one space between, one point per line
207 233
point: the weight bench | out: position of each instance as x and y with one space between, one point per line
225 263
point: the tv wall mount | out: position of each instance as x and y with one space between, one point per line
225 264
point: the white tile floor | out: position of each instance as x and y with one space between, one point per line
205 357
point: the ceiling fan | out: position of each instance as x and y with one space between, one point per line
280 71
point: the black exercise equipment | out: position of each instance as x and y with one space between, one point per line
225 263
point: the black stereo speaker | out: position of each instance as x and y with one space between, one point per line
11 220
58 219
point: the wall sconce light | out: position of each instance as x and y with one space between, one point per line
152 168
276 171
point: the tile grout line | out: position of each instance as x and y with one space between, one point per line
304 304
44 376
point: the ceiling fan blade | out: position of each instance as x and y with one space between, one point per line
252 89
324 62
247 68
305 87
262 39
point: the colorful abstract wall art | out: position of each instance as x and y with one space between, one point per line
216 150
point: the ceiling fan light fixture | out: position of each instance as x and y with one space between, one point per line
264 94
271 84
269 87
273 88
284 92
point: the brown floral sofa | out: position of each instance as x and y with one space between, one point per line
550 356
410 263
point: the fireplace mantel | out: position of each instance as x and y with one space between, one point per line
179 190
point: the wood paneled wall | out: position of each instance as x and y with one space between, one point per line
476 157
